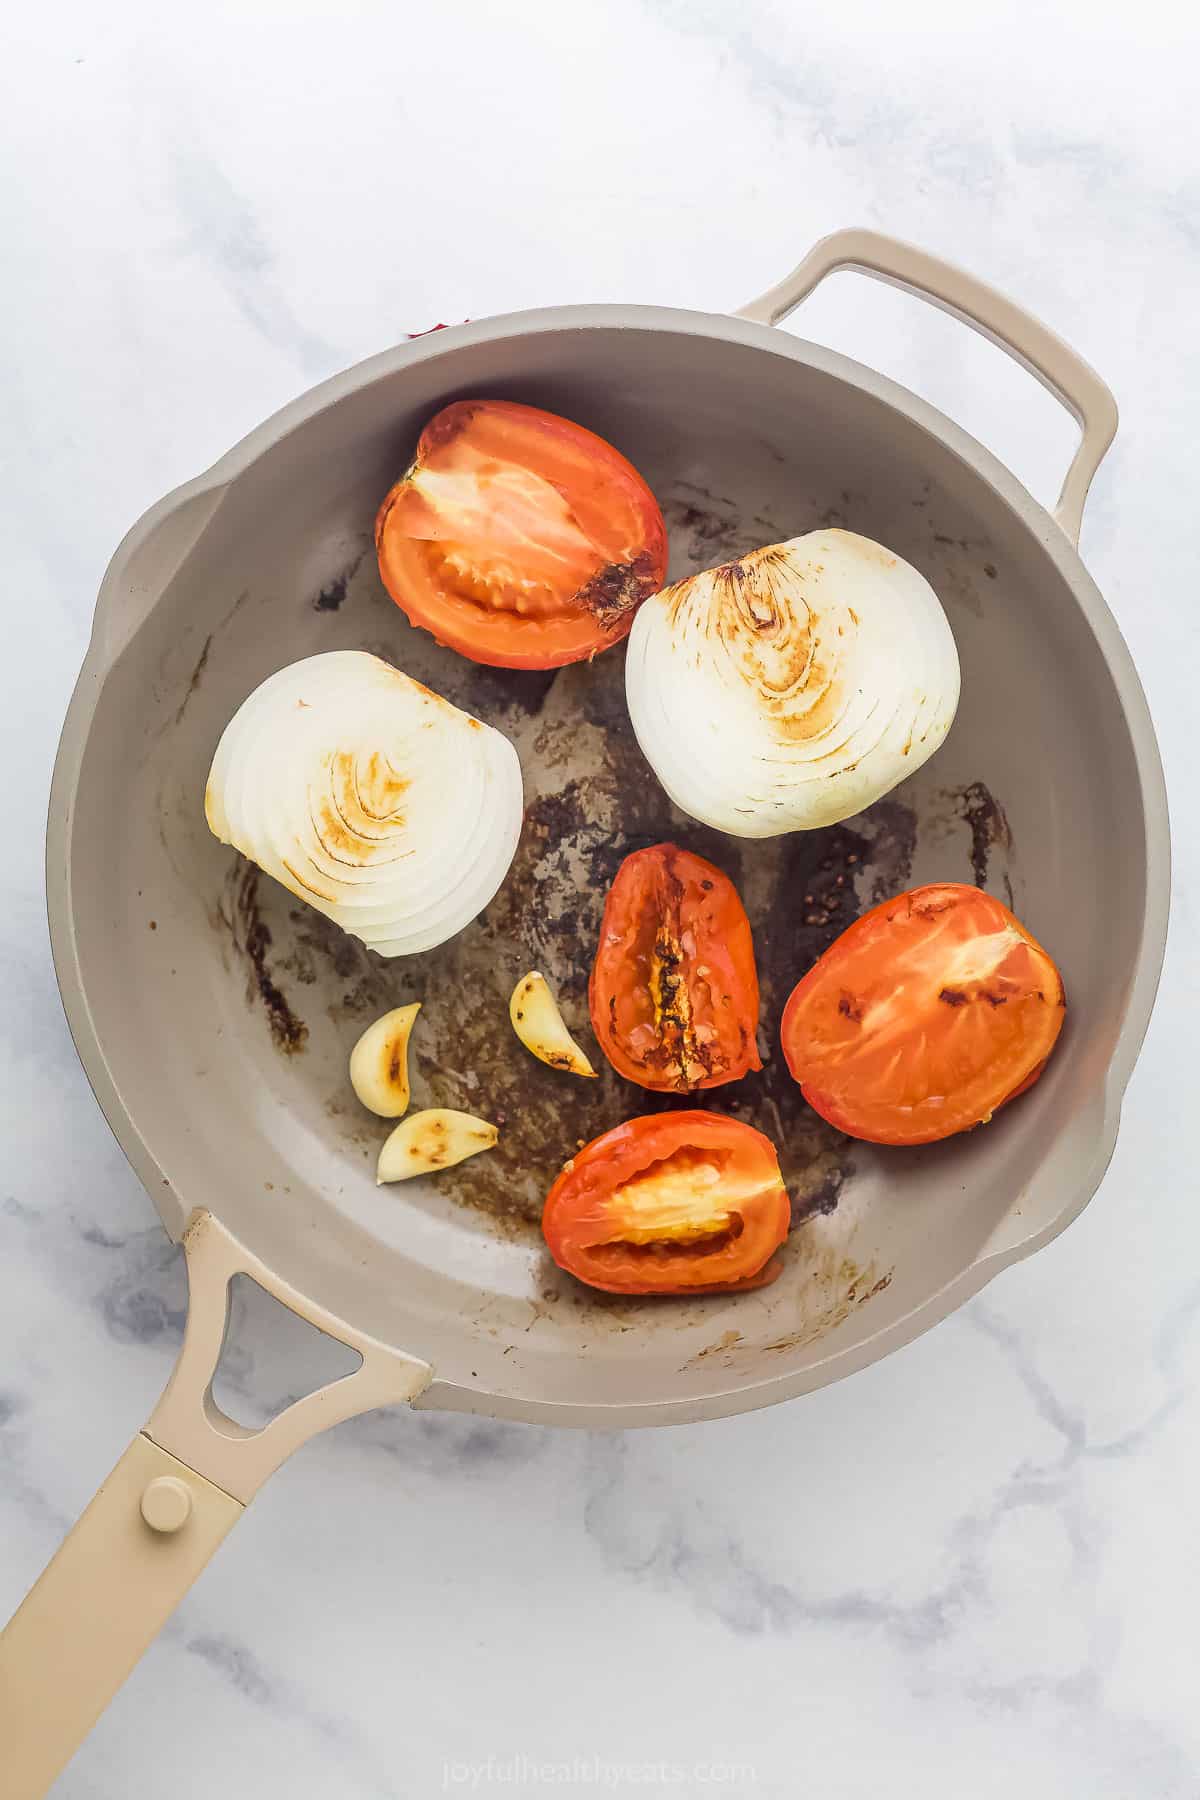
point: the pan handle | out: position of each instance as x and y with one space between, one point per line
1069 378
180 1487
147 558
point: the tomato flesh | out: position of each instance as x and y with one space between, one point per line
924 1018
673 1203
519 538
674 990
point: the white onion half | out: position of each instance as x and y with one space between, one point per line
370 797
793 687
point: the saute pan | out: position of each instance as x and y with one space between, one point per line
214 1014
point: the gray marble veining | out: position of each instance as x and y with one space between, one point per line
969 1570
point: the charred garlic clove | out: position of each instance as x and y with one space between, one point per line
539 1025
379 1063
793 687
431 1140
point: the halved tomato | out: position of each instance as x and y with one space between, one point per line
677 1203
674 989
924 1017
518 538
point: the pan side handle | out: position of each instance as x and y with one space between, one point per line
146 561
180 1487
1068 377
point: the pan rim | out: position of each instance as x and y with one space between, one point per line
724 1398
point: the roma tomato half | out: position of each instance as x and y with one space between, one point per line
674 990
677 1203
518 538
924 1017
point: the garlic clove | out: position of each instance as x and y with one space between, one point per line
431 1140
379 1063
539 1025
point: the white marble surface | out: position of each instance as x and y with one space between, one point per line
969 1570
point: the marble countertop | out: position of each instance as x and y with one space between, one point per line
972 1568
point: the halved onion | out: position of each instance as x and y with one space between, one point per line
370 797
793 687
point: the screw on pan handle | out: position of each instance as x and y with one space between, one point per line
1069 378
180 1487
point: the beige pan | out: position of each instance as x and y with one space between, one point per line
214 1014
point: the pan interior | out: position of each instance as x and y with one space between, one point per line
227 1010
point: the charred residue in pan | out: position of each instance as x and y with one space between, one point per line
201 662
846 1289
333 594
991 839
590 800
827 1288
988 824
238 913
197 676
710 528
